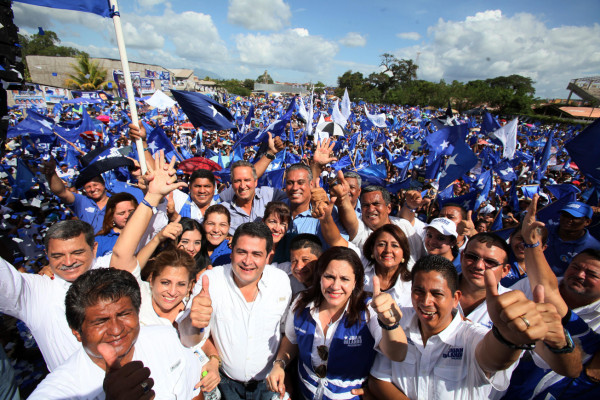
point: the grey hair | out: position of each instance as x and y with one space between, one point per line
242 163
69 229
352 174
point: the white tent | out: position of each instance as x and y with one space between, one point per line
160 100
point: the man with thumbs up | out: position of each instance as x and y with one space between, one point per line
243 304
118 359
449 357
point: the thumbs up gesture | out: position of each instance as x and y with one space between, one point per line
466 226
131 381
555 337
201 309
384 305
516 317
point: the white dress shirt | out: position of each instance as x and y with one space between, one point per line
174 369
247 334
444 368
39 302
400 292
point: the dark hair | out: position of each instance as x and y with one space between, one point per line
111 205
202 173
69 229
543 230
299 166
491 239
357 303
177 258
387 198
201 258
254 229
594 253
281 210
438 264
97 285
307 241
394 230
463 212
218 209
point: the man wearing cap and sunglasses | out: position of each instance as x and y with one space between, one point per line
570 237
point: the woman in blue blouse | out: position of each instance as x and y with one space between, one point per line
119 208
216 225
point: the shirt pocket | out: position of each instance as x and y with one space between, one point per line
448 378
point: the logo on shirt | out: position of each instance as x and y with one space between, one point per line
455 353
90 209
300 330
353 341
175 365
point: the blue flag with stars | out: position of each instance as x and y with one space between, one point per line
24 180
203 111
459 163
584 150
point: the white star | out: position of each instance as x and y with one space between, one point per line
444 144
506 171
481 198
153 146
451 161
466 204
47 124
215 112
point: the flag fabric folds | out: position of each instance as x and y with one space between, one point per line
459 163
203 111
98 7
508 136
584 150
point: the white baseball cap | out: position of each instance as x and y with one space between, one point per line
444 226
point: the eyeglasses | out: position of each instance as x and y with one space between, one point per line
323 352
490 263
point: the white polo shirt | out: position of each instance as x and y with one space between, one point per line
446 368
39 302
246 334
400 291
415 242
174 369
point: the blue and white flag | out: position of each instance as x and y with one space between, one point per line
337 117
458 164
376 119
584 150
505 171
98 7
25 180
346 105
508 136
203 111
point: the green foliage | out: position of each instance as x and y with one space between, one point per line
88 75
45 45
265 78
397 84
248 84
236 86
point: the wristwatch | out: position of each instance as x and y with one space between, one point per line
280 360
269 156
569 347
216 357
154 209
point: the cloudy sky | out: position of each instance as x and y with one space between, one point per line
551 41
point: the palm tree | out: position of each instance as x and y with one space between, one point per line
88 75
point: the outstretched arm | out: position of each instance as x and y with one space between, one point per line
161 181
57 186
322 156
321 210
275 146
341 191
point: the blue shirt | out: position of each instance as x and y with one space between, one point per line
560 253
262 196
221 255
106 242
87 210
514 275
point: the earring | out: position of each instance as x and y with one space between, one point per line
401 261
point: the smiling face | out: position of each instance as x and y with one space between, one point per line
570 224
375 213
123 211
387 251
201 192
69 258
433 301
337 283
490 257
297 187
216 228
516 244
95 190
303 264
248 259
169 288
354 190
582 279
277 226
115 323
243 183
191 242
437 243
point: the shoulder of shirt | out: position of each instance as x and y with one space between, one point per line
152 332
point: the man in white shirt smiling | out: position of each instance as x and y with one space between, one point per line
244 303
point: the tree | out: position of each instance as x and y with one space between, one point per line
44 45
265 78
88 75
248 84
394 72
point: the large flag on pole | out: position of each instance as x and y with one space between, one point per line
203 111
346 105
376 119
508 136
583 150
99 7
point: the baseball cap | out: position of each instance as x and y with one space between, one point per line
444 226
578 209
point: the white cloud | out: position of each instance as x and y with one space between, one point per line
142 36
489 44
149 3
293 49
261 15
409 35
354 39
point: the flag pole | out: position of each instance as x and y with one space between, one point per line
127 77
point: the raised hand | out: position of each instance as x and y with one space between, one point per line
275 144
341 189
131 381
516 317
201 306
531 228
171 231
413 199
466 226
137 132
49 166
161 177
555 337
384 305
323 154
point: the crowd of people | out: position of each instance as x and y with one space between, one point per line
306 265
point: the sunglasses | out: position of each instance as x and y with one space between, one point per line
490 263
323 352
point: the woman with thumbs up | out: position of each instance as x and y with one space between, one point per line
334 333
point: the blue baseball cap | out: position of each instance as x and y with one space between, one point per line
578 209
